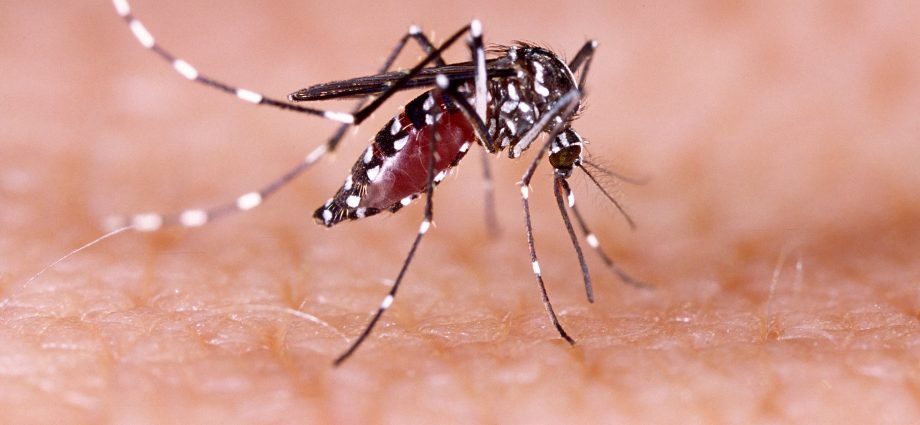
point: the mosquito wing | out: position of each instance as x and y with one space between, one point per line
376 84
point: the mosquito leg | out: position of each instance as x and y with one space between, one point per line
388 300
482 133
563 108
584 55
401 82
535 263
481 80
198 217
189 72
595 245
423 228
559 113
559 185
488 188
414 33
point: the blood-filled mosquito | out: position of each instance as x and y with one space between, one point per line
500 103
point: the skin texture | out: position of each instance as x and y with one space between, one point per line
779 225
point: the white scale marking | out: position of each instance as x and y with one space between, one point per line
373 172
327 216
249 96
340 117
429 103
440 176
525 192
564 139
122 7
509 106
141 34
401 143
369 154
249 201
316 154
538 68
360 212
414 30
476 28
524 107
193 218
592 240
395 127
147 222
540 89
511 126
465 147
536 267
387 302
186 69
406 201
423 228
571 199
481 90
442 81
512 92
348 183
353 201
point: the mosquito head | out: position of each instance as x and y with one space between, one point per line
565 152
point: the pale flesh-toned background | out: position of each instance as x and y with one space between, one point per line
780 224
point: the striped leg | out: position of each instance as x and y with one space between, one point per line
535 263
148 222
560 185
595 244
422 230
488 189
482 134
481 81
188 71
584 55
563 109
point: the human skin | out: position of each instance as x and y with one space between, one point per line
779 224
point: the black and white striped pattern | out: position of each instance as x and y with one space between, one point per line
381 158
189 72
196 217
506 111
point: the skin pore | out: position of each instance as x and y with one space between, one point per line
779 225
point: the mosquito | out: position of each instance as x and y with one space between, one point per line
503 103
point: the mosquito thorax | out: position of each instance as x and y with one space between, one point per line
516 102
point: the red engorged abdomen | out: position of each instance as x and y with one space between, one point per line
406 172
